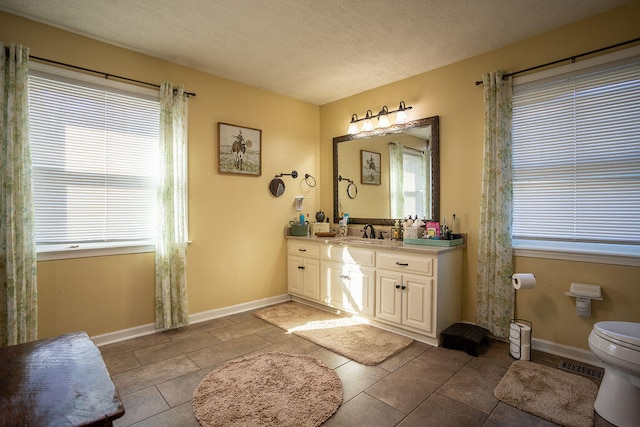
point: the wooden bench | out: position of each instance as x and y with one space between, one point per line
59 381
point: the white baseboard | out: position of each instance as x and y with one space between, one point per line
550 347
573 353
139 331
238 308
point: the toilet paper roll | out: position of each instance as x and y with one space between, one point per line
523 281
525 352
520 333
514 350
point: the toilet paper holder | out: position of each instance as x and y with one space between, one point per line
520 334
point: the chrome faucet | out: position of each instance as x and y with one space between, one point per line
373 232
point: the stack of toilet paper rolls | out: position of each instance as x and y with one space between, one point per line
520 341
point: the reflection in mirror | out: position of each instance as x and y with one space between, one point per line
409 173
351 190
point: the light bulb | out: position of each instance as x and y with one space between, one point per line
401 117
367 125
383 121
353 128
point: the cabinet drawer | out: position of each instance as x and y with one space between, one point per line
422 264
304 249
363 257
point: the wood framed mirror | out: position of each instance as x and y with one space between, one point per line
419 144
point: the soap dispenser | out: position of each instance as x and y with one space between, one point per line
396 231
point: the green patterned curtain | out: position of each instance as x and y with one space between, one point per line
171 241
495 255
18 286
396 180
425 171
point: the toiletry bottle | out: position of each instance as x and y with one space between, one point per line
395 231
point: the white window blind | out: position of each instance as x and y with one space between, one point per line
94 153
414 183
576 156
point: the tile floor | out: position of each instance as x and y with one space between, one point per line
423 385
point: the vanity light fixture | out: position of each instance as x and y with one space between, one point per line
401 116
382 116
353 126
368 123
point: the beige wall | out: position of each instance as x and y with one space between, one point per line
238 254
450 93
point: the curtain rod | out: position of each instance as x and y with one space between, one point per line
106 75
569 58
409 148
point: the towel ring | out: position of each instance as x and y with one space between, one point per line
309 180
352 190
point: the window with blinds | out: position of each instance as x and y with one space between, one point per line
414 183
94 154
576 155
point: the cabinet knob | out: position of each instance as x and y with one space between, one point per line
302 250
405 264
344 276
301 267
397 286
404 287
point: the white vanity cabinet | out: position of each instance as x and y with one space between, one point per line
411 290
347 278
419 292
405 291
303 269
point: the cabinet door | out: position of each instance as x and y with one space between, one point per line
417 307
311 278
332 283
389 296
358 292
295 275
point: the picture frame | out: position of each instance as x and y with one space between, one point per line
239 150
370 172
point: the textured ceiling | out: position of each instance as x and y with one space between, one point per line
313 50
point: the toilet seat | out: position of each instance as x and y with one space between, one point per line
625 334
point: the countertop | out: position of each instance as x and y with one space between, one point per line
377 244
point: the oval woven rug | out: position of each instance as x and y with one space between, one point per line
268 389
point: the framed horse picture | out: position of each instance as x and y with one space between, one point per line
239 150
370 172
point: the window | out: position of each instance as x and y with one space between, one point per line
94 149
409 181
576 157
414 184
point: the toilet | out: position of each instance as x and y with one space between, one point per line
617 345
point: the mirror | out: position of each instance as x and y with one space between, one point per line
276 187
372 203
